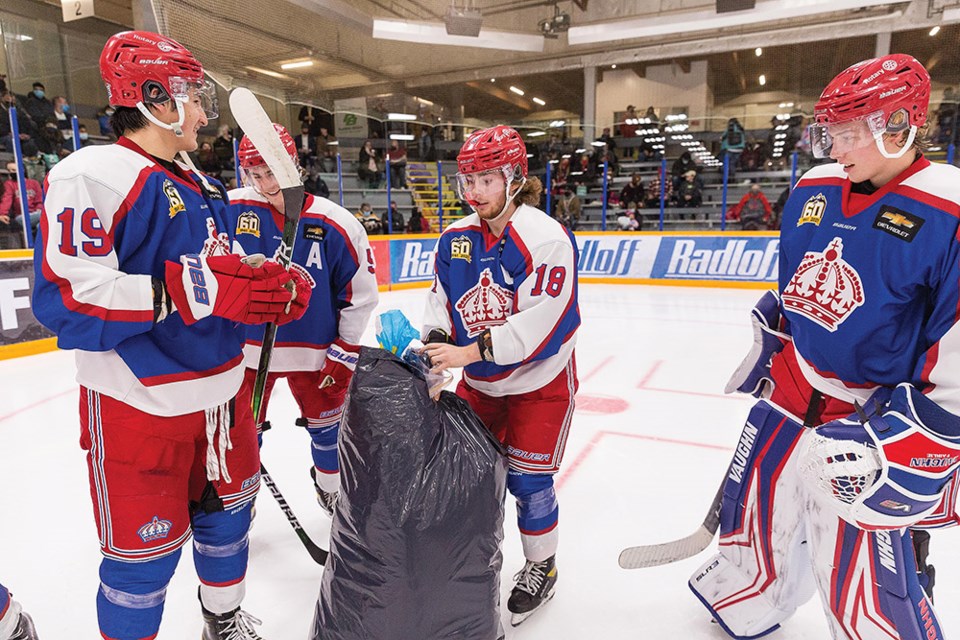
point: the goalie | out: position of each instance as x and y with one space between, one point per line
853 447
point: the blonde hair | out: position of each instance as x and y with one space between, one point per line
529 193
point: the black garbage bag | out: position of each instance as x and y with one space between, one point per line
415 540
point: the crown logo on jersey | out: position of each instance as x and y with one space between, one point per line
279 257
825 288
484 305
216 244
813 210
173 197
248 222
155 529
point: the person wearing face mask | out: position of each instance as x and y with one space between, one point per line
852 450
28 129
61 111
10 214
38 105
135 271
504 306
103 121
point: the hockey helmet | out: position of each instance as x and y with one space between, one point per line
249 156
889 94
142 68
493 148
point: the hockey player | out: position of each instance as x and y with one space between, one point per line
134 271
15 623
316 354
860 347
504 306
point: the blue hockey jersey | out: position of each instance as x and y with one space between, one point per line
112 217
333 254
872 294
522 286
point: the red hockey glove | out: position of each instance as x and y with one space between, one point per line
334 378
225 287
298 306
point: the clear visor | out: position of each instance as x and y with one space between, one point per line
843 137
483 185
262 179
202 94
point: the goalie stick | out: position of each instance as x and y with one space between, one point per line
257 126
654 555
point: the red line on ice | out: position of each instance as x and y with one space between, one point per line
36 404
596 369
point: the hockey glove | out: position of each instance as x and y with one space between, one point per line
753 375
887 470
334 379
226 287
298 306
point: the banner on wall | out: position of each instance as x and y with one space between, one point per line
350 118
17 323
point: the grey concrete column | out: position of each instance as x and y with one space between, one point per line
883 44
589 104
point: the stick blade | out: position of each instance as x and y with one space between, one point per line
257 126
654 555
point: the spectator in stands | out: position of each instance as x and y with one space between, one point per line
653 191
651 116
308 119
223 146
753 158
314 184
3 82
680 167
397 154
28 130
417 223
392 219
369 220
326 151
306 147
753 210
103 120
607 140
84 136
632 191
569 208
947 118
627 220
425 145
61 111
208 161
10 212
561 175
628 130
38 105
368 166
777 209
733 142
613 165
51 144
647 154
688 193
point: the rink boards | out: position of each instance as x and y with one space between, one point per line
713 259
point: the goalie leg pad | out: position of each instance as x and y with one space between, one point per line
868 581
537 513
762 573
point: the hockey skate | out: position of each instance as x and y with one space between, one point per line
534 589
326 499
25 629
233 625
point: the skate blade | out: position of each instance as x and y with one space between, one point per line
517 618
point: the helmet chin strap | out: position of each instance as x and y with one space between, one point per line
176 127
878 138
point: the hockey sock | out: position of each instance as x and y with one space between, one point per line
323 447
131 596
537 513
220 552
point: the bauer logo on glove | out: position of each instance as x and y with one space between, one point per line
889 470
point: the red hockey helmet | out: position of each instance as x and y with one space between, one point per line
493 148
249 156
890 94
140 67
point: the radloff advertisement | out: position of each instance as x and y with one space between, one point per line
17 324
749 259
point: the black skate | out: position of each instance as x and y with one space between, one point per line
534 589
233 625
25 629
326 499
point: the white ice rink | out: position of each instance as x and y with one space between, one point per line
651 437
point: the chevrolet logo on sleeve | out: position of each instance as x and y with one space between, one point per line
898 223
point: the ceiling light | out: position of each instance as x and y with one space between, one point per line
935 30
436 33
333 143
268 72
613 66
709 20
424 101
297 65
598 143
519 92
401 136
758 51
493 79
579 150
557 123
540 102
401 116
534 134
763 79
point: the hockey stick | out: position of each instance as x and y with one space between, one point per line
257 126
654 555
